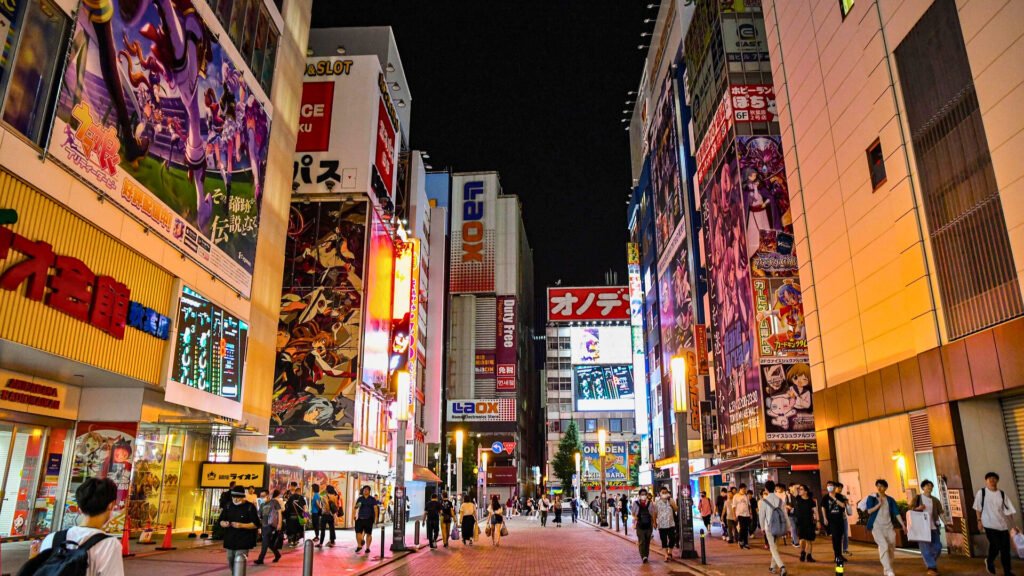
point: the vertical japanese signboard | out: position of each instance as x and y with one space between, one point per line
636 322
506 347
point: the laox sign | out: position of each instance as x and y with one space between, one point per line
473 222
474 407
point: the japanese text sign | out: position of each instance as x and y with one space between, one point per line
588 303
753 102
221 474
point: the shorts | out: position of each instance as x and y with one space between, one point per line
364 526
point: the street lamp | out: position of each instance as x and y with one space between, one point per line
403 394
680 397
602 440
460 436
579 480
483 468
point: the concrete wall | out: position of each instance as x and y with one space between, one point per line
867 449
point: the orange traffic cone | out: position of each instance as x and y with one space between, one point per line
126 539
167 539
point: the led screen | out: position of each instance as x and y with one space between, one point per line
601 345
603 387
380 287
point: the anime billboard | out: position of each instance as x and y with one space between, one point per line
675 298
153 112
780 319
319 331
665 171
789 401
769 224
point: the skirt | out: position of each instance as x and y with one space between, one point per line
467 527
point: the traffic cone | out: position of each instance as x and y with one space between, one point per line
167 540
126 539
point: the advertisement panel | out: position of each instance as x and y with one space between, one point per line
768 222
405 308
636 321
675 298
209 357
316 112
737 382
600 345
320 326
603 387
498 410
474 206
745 41
483 363
588 303
506 355
616 463
753 103
501 476
666 177
102 450
153 112
384 158
222 474
780 319
721 124
789 401
380 276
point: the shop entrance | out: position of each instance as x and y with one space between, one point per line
30 465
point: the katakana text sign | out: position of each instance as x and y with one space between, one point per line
588 303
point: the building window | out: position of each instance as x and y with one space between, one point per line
31 86
565 425
627 425
615 425
590 425
564 405
973 261
876 165
555 427
251 29
845 6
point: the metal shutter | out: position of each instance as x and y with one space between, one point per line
1013 418
920 432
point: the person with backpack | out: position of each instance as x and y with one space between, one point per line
995 516
295 515
240 522
271 521
883 516
84 550
771 511
643 524
330 504
447 515
834 510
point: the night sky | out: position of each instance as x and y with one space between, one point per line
534 90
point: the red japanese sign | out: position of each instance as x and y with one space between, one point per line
700 335
753 103
588 303
720 125
506 348
385 157
315 117
501 476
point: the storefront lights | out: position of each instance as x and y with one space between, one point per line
483 464
460 436
677 368
602 440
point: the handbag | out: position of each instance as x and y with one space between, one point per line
488 530
455 532
476 530
504 531
919 527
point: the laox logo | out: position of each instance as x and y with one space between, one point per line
474 408
472 222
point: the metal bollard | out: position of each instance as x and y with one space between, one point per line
238 565
625 527
307 558
381 541
617 519
703 550
416 533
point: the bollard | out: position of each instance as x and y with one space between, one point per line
416 533
307 558
703 550
381 541
625 527
238 565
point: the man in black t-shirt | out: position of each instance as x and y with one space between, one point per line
447 514
294 512
240 520
367 510
433 510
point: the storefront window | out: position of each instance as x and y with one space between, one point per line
32 456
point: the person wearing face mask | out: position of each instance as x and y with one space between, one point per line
930 550
96 498
665 510
834 510
240 521
741 506
643 524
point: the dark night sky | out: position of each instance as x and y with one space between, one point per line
534 90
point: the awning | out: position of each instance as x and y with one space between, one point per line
727 466
424 474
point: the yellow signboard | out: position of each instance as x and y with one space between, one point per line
244 474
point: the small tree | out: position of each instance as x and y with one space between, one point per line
564 462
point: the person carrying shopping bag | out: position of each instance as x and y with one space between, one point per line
665 510
496 521
932 506
467 516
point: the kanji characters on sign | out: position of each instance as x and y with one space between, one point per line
588 303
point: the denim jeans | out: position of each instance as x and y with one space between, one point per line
930 551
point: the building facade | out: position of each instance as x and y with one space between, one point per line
898 139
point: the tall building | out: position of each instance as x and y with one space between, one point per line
590 380
144 195
899 142
492 391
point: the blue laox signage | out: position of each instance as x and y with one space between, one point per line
473 223
497 410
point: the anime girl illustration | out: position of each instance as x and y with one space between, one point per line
788 309
799 376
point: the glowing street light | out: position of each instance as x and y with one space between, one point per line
680 397
602 447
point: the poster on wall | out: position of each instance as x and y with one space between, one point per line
603 387
281 477
737 382
767 221
380 277
154 113
616 463
789 401
320 325
666 176
675 299
781 333
103 450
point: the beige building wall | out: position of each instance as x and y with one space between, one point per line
864 451
869 299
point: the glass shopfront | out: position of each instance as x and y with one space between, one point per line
31 459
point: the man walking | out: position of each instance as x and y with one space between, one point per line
723 497
447 513
834 509
367 511
270 518
730 507
433 511
643 524
883 516
995 515
771 511
574 505
545 505
240 521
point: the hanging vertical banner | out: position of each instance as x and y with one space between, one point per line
636 321
506 347
474 204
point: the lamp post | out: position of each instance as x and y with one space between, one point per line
602 440
403 383
579 480
483 468
680 397
448 468
460 437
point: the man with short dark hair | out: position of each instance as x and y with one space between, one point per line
447 514
433 511
995 516
883 516
773 504
367 510
643 524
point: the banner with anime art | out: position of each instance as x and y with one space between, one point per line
675 298
102 450
318 334
768 222
154 113
737 382
789 401
666 176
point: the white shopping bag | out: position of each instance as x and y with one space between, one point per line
1018 543
919 527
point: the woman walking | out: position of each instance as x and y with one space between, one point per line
558 510
741 507
665 510
467 515
805 511
495 520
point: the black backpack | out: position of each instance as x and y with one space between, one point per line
63 558
643 516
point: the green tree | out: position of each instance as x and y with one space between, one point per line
564 462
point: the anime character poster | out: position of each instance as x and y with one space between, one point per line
781 332
767 218
318 335
737 382
104 450
666 176
675 298
789 401
281 477
154 112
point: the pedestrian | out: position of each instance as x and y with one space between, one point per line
720 500
332 508
433 512
316 509
545 506
96 498
496 520
665 510
805 513
270 526
624 508
791 496
772 513
752 528
706 510
730 506
252 497
995 515
643 524
558 510
741 507
447 513
883 515
846 521
367 510
240 522
467 517
834 510
931 549
295 515
574 506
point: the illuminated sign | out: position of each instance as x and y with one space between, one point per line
472 222
315 117
506 446
588 303
499 410
221 474
209 351
31 394
636 321
508 339
474 199
600 345
603 387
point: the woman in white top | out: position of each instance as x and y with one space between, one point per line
467 513
95 498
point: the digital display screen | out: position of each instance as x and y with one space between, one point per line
209 348
601 345
603 387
